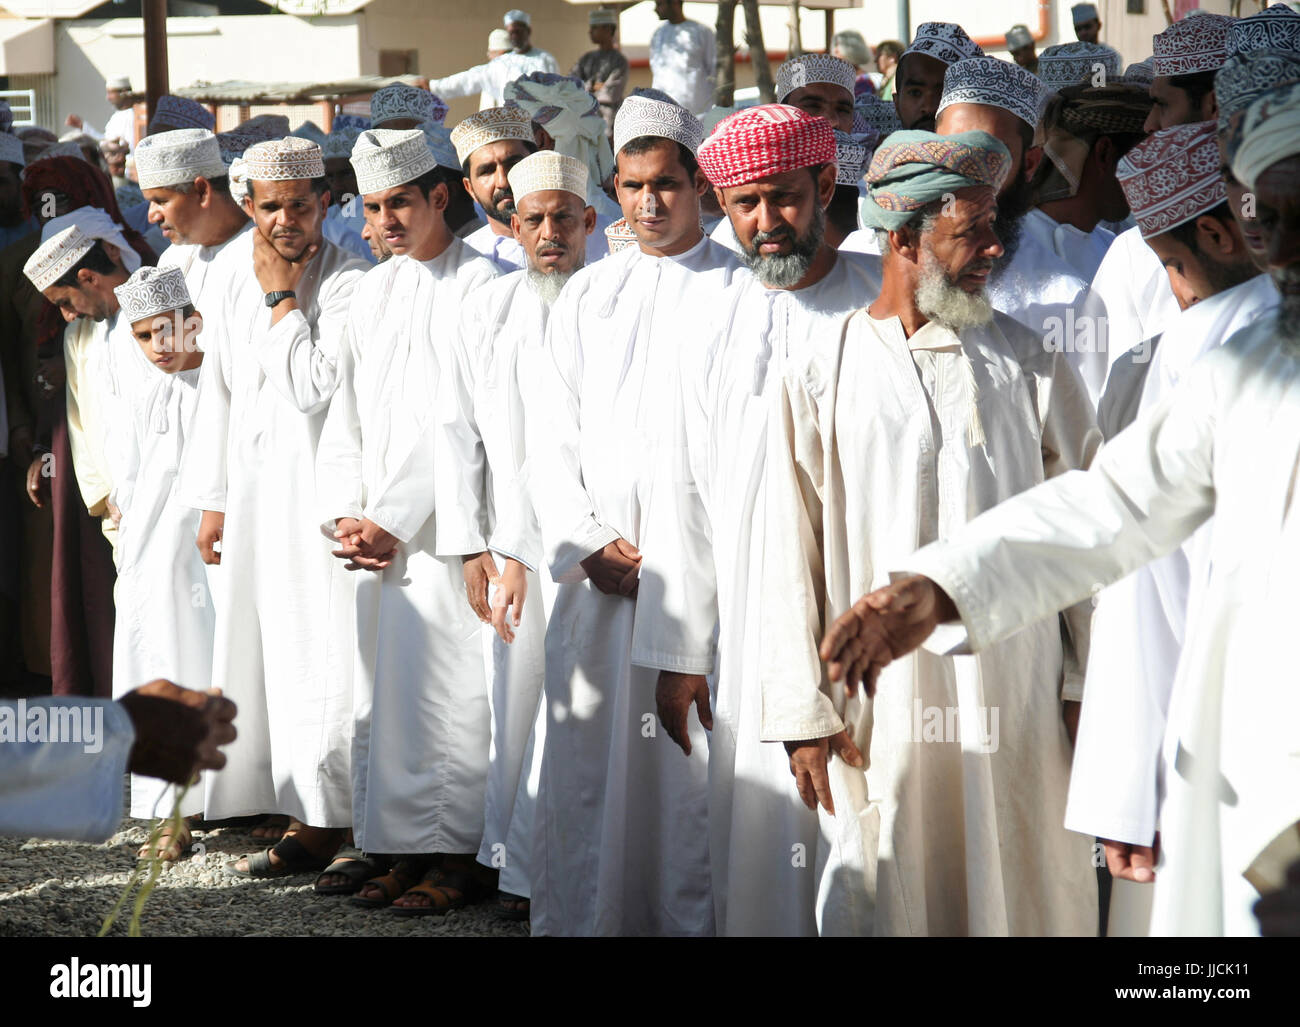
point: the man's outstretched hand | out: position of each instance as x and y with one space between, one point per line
882 626
178 731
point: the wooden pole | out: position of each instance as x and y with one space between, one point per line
758 53
155 52
795 45
724 89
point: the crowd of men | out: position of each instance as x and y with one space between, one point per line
833 516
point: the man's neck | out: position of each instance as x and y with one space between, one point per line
683 245
817 270
525 50
226 222
499 229
434 246
1077 210
898 299
606 46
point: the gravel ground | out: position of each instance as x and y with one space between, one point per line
65 889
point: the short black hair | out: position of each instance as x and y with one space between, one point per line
529 145
220 184
1196 85
318 185
1186 232
434 177
96 259
643 144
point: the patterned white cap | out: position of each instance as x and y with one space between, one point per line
1242 80
170 158
995 83
238 175
547 169
11 149
439 139
385 158
944 41
602 16
118 82
350 123
402 101
808 68
65 240
1019 36
876 113
1083 12
180 112
642 115
619 236
339 143
1070 64
151 291
852 152
491 126
499 39
1192 45
284 160
1142 73
1274 28
516 15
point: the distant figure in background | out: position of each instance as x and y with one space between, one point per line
15 222
489 80
114 152
603 70
121 125
887 56
682 58
1087 22
519 26
1020 44
850 46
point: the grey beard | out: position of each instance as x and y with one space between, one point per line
547 287
945 302
785 272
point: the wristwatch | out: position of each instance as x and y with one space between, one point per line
272 298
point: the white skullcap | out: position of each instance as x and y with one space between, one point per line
179 112
499 39
402 101
1018 37
1083 12
11 149
170 158
642 115
602 16
994 83
492 126
545 170
1071 64
944 41
516 15
238 176
1192 45
151 291
65 240
385 158
118 82
284 160
808 68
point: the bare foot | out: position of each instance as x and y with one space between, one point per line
168 846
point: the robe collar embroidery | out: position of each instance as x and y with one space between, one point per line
935 338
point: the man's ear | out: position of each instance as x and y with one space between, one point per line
906 242
589 219
722 204
114 254
1033 159
324 202
826 185
203 190
1216 238
1209 107
514 227
702 182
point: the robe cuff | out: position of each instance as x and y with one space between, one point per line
815 720
396 526
517 554
215 502
977 628
566 565
1099 824
676 662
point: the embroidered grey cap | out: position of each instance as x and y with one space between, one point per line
151 291
995 83
804 70
176 157
284 160
385 158
642 115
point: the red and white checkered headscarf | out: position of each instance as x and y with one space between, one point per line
767 140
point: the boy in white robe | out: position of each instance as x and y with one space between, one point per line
483 415
165 619
947 793
698 607
421 720
622 825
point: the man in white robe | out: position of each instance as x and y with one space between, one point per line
1229 770
682 58
947 792
622 822
698 604
489 144
270 370
418 685
483 430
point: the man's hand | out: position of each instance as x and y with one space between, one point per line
364 544
882 626
211 527
178 732
614 569
1070 711
508 604
274 273
808 765
36 479
1132 862
74 121
674 694
480 572
114 513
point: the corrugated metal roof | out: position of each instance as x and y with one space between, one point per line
239 91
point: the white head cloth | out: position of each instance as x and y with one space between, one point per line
1071 64
570 114
602 16
1192 45
499 39
944 41
1083 12
238 177
642 115
402 101
65 240
808 68
180 112
439 139
516 15
491 126
151 291
170 158
284 160
11 149
1019 36
385 158
995 83
118 82
1270 133
545 170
